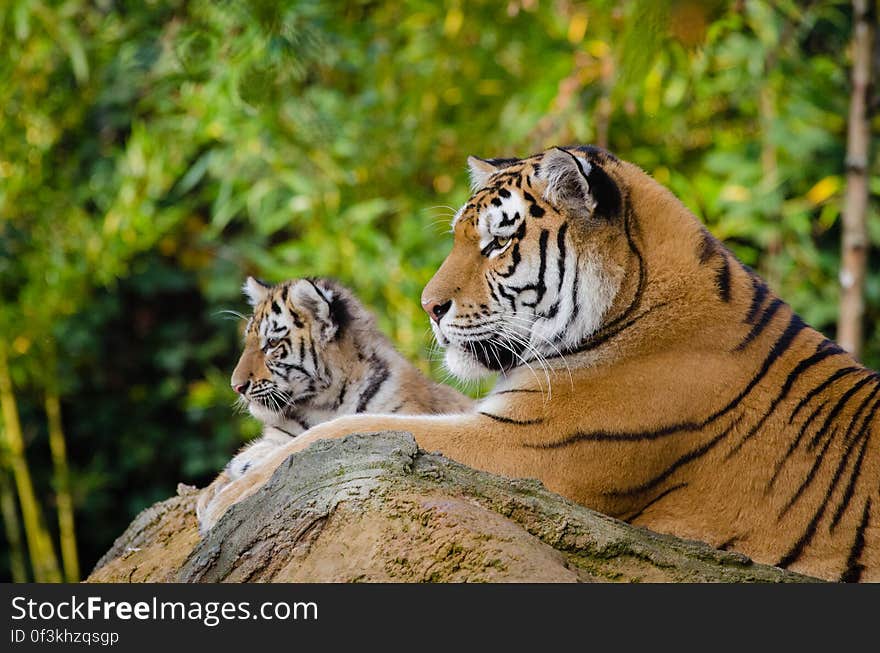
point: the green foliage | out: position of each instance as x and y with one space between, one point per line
152 154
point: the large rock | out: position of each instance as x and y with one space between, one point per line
375 508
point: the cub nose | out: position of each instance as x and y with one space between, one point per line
241 388
436 310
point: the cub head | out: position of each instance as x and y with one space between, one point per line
538 257
291 344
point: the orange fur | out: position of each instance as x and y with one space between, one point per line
701 406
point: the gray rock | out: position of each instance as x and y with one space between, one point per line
374 508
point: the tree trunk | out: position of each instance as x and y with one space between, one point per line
66 529
12 528
42 553
375 508
855 237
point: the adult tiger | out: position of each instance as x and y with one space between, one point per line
684 395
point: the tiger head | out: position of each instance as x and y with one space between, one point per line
540 254
292 344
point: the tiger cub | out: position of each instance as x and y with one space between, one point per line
313 352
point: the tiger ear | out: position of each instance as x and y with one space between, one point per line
567 179
480 170
580 185
255 290
318 302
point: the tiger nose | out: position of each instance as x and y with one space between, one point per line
436 310
241 388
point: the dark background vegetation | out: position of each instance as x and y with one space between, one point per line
153 154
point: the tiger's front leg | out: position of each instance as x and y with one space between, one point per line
250 457
470 439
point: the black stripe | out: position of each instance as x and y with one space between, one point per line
575 307
794 445
726 544
378 376
759 293
287 367
342 391
278 428
708 246
837 408
782 344
504 392
766 316
292 413
314 354
508 420
560 262
683 460
643 273
722 278
822 352
491 289
622 321
511 299
811 475
798 548
853 571
506 221
847 494
839 374
539 286
514 263
605 337
650 503
850 487
867 400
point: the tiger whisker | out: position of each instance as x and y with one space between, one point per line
515 338
529 324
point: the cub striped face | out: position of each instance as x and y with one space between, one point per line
289 345
536 261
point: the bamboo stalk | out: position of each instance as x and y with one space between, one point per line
854 254
42 554
64 500
12 526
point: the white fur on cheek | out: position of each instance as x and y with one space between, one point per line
463 365
597 288
262 413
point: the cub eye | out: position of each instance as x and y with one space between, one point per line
495 244
273 342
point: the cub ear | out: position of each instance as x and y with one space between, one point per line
319 302
580 186
255 290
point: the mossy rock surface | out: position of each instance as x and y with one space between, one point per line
375 508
